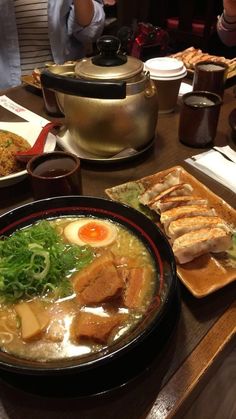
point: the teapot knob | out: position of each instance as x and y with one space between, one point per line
109 44
109 52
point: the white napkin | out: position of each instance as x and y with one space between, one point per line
184 88
227 151
215 165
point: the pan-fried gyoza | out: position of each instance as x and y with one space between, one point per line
191 56
190 222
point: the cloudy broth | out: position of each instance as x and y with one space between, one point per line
57 340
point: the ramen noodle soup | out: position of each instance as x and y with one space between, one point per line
10 144
107 290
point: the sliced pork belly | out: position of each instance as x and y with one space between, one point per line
94 327
137 286
187 224
184 211
99 281
173 178
168 202
196 243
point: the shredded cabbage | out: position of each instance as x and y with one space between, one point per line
35 260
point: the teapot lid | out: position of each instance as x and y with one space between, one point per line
110 63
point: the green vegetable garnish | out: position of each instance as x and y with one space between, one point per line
35 260
232 251
8 142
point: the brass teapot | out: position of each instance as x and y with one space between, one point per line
109 102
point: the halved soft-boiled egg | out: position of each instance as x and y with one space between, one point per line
90 231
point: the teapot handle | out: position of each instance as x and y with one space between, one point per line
84 88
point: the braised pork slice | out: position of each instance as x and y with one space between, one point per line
137 286
184 211
94 327
196 243
99 281
187 224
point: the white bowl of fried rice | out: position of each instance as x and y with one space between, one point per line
18 136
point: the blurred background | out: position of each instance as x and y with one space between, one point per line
187 22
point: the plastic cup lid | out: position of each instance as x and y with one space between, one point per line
165 67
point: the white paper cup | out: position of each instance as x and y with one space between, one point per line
167 74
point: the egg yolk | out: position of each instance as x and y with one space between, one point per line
92 232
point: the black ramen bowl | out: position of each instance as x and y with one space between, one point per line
125 358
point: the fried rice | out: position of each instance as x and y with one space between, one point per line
11 143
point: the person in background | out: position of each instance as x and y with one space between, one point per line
226 25
109 2
35 32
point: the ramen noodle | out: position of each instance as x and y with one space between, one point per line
109 298
10 144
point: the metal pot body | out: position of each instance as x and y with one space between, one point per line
104 127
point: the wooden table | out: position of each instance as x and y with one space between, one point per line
206 328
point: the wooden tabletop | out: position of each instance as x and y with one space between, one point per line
206 329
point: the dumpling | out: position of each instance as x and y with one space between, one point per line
196 243
168 202
184 211
187 224
176 190
173 178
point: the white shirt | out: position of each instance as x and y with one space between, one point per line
32 27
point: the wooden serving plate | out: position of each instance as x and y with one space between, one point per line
207 273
